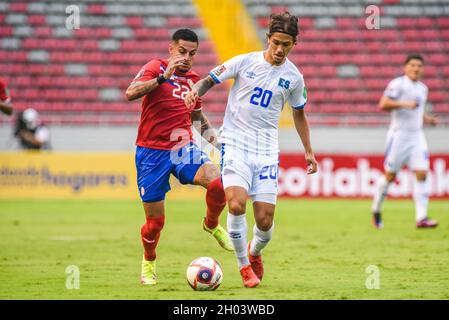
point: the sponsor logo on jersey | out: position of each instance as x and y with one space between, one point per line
250 74
220 70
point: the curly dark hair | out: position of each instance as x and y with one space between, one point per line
284 23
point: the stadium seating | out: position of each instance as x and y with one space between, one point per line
347 66
80 76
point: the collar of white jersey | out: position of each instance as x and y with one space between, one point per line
262 57
417 82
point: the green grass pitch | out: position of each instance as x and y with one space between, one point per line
320 250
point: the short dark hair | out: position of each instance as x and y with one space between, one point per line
414 57
284 23
185 34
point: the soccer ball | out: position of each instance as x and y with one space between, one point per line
204 274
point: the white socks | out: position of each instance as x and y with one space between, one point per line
421 197
260 240
237 229
381 192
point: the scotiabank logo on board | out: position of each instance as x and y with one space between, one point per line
354 176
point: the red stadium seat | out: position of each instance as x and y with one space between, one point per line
443 22
152 33
135 21
438 96
18 7
37 20
43 32
96 8
441 108
5 31
179 22
71 86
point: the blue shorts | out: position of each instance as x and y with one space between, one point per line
155 166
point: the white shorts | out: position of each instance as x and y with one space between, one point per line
406 149
257 174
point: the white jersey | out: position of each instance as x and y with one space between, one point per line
404 89
256 100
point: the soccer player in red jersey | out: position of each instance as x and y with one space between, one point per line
5 99
165 145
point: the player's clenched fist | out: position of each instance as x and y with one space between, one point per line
191 98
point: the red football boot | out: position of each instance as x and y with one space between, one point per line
250 280
256 263
426 223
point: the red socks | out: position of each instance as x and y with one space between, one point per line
151 230
150 234
216 201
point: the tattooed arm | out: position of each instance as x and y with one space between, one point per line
202 124
199 89
139 89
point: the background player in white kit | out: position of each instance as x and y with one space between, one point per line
406 97
264 82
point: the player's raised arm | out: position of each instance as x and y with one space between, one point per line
199 89
302 127
138 89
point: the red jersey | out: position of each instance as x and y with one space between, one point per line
4 93
165 119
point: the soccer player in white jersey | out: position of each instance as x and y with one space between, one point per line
405 97
264 82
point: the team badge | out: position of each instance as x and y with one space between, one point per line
219 70
284 83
